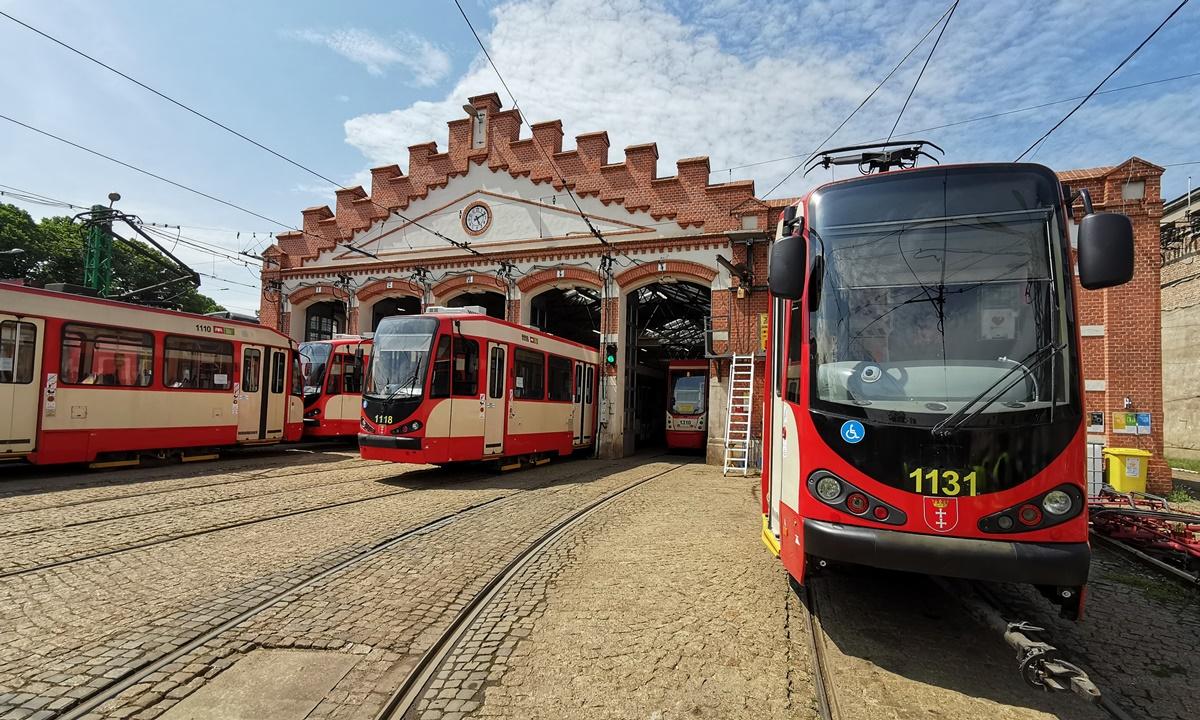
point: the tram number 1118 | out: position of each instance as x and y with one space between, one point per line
934 481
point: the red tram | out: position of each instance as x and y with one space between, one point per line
923 406
332 371
453 385
687 404
89 380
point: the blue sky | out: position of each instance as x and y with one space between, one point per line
344 87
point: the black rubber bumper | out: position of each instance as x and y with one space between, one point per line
1064 564
390 442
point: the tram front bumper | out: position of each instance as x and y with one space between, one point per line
1059 564
388 441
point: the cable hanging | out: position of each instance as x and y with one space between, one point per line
921 74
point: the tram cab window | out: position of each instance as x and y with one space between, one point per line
439 383
93 355
795 353
466 367
197 364
333 384
297 376
529 369
251 370
17 341
351 374
560 379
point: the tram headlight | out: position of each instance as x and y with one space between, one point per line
828 488
1057 502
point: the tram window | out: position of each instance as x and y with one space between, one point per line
93 355
587 385
333 384
466 367
496 372
578 384
530 371
278 370
297 376
251 370
560 379
351 375
439 383
197 364
795 350
17 341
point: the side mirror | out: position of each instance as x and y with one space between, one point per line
789 265
1105 250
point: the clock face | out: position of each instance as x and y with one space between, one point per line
477 218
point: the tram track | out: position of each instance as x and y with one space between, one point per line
186 507
239 475
826 697
138 673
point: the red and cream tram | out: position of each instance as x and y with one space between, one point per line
923 406
102 382
455 385
687 404
332 371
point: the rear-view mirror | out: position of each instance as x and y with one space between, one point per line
789 264
1105 250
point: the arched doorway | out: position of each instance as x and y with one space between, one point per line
572 313
323 320
664 320
393 306
493 303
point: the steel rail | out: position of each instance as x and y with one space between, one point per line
827 704
412 689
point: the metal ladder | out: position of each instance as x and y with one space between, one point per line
737 424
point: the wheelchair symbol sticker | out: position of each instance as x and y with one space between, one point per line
853 431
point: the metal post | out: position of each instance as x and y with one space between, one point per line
97 259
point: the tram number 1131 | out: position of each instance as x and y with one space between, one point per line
933 481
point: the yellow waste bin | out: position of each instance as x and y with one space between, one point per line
1127 469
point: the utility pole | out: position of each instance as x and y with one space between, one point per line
97 258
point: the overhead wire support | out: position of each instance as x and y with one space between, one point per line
462 245
867 99
921 74
1096 89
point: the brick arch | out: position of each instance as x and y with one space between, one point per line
682 269
550 277
379 288
447 289
306 294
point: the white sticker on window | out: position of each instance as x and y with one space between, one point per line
220 379
6 364
520 382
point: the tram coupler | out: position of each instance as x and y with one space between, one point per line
1040 666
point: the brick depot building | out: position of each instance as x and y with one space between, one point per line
664 295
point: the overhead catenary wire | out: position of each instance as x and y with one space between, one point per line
921 74
1096 89
864 101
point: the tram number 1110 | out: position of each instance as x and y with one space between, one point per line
933 481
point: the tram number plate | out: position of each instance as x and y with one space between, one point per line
937 481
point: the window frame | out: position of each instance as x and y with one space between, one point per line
460 340
17 347
63 354
550 393
521 393
246 356
278 371
167 338
497 371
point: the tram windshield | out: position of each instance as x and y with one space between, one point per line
314 356
930 294
687 392
400 357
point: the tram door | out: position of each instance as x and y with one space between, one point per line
250 402
589 402
20 382
579 412
275 396
495 413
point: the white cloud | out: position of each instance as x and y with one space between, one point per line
427 62
749 80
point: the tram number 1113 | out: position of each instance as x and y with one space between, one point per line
933 481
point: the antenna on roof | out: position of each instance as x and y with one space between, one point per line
875 157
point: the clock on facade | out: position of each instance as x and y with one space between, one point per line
477 218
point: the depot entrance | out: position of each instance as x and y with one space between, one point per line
572 313
665 320
492 302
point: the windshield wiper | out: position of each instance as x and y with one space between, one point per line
946 427
412 382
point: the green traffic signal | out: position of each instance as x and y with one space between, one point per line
610 354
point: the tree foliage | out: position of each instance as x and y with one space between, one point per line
53 252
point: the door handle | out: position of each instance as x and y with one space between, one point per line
491 405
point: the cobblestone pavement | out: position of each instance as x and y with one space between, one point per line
898 646
392 606
1138 640
68 630
662 604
